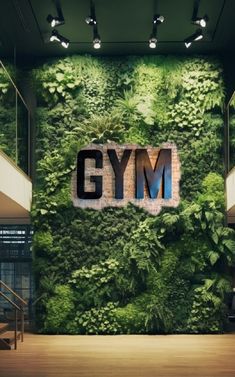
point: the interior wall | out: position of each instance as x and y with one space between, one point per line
123 270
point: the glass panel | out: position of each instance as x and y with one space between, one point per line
7 273
22 279
15 242
7 115
231 133
7 276
15 264
18 276
22 134
14 120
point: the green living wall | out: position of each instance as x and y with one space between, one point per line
123 270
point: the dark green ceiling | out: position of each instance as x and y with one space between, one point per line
124 27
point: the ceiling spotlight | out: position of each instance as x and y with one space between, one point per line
187 44
97 42
193 38
56 37
55 21
59 18
202 22
198 35
90 21
153 42
158 19
64 42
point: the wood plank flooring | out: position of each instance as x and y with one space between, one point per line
121 356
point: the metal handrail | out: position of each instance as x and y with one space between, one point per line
14 293
10 301
17 309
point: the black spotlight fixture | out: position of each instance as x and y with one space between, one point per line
196 20
201 21
57 20
152 41
157 20
56 37
193 38
96 39
91 20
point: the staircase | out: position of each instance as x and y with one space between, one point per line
9 336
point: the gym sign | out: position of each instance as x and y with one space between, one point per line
115 175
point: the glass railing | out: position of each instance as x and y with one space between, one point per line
14 120
230 134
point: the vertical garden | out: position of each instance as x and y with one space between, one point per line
122 270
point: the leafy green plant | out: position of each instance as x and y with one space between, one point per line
213 189
101 129
142 251
126 107
131 319
208 309
98 320
59 310
158 318
95 286
43 241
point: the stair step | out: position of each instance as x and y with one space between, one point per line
9 336
3 327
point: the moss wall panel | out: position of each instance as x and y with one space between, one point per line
122 270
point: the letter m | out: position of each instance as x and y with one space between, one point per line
162 173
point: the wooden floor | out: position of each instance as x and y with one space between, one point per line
121 356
